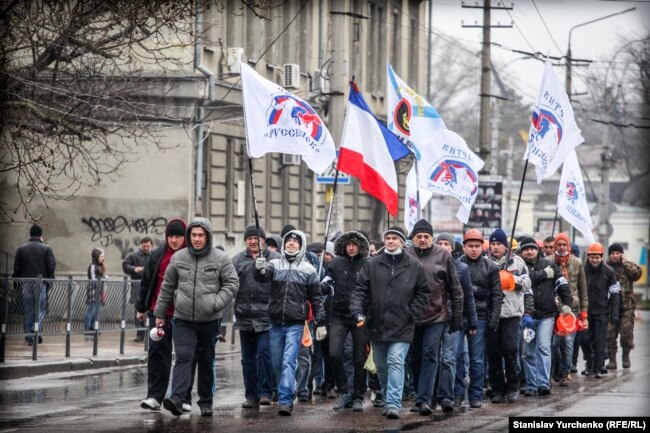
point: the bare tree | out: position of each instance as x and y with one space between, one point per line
83 84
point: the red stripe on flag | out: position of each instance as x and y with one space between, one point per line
372 182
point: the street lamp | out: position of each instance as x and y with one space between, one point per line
603 199
568 52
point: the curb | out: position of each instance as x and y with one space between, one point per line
19 371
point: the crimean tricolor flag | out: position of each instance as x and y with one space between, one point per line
553 131
368 151
278 121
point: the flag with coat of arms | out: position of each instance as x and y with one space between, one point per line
553 131
445 164
278 121
572 198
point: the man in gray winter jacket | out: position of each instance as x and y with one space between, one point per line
201 281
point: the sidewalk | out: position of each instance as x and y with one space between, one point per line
51 354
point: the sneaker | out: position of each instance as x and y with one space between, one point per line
285 409
415 408
40 339
574 368
384 412
29 341
331 393
587 372
392 413
206 411
564 381
475 404
265 400
251 404
173 407
603 371
512 396
342 401
544 391
304 398
458 400
498 399
187 407
357 405
447 406
598 375
425 409
530 393
150 403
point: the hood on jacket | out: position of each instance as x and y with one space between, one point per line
274 239
352 236
303 244
207 226
94 255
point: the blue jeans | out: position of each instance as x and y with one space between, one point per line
537 355
90 317
389 358
476 350
424 353
303 369
30 289
285 343
257 367
565 351
447 368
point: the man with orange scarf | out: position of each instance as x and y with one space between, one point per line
574 272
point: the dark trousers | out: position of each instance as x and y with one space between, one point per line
339 328
502 351
594 343
256 364
194 339
159 363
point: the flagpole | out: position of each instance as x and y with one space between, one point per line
252 181
329 219
514 222
417 189
554 218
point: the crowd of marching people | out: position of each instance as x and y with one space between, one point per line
418 317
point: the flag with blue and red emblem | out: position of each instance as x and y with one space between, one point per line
278 121
572 198
553 130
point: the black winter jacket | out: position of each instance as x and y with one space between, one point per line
149 279
486 285
391 294
469 306
342 272
603 290
132 261
252 301
544 288
34 258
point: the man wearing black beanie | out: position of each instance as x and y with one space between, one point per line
391 291
34 259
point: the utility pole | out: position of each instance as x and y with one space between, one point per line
337 104
485 135
604 227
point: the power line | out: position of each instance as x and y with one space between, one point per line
546 27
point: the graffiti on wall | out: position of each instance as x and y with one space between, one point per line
125 233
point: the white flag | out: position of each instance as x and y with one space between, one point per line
411 201
278 121
446 166
572 198
553 131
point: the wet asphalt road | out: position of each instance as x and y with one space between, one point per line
108 400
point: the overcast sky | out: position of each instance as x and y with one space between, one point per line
543 25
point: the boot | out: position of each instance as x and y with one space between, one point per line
626 358
612 361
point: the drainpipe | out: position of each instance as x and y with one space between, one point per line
200 110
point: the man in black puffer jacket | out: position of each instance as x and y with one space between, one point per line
391 291
489 298
252 320
547 281
351 250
